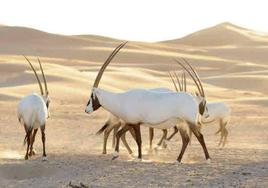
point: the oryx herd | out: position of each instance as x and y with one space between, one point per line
159 108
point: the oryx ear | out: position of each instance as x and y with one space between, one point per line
196 93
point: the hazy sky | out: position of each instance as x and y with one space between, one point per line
144 20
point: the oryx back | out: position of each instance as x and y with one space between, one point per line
33 111
149 107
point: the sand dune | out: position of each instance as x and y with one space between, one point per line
222 35
231 61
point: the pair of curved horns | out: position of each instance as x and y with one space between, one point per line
195 77
106 63
37 78
182 83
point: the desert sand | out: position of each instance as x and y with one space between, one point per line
231 61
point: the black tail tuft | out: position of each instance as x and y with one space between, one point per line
102 129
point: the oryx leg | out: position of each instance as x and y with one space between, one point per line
225 134
225 137
185 140
116 128
138 139
164 137
123 138
200 138
223 131
28 139
199 126
43 141
176 130
151 137
32 142
118 136
106 134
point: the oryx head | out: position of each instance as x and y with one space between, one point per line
201 99
44 94
93 102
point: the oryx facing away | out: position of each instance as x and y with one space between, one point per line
33 113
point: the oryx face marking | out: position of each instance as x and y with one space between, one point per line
93 104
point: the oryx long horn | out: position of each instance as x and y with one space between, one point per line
106 63
44 77
178 81
197 76
184 81
190 75
38 80
173 81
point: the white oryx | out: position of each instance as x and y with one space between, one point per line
147 108
114 123
218 112
33 113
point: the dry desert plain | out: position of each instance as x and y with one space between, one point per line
232 63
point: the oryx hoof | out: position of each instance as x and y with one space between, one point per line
44 158
137 160
208 161
115 155
177 162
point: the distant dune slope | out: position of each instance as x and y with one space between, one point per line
221 35
226 56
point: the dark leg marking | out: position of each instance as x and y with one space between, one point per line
116 128
118 136
199 137
28 138
185 140
138 139
106 135
32 142
151 137
123 138
164 136
43 140
176 130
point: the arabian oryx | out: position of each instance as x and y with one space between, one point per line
218 112
114 123
147 108
33 113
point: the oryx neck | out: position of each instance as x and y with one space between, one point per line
108 100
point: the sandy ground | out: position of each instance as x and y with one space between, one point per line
234 71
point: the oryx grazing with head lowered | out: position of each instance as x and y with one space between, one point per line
33 113
148 108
